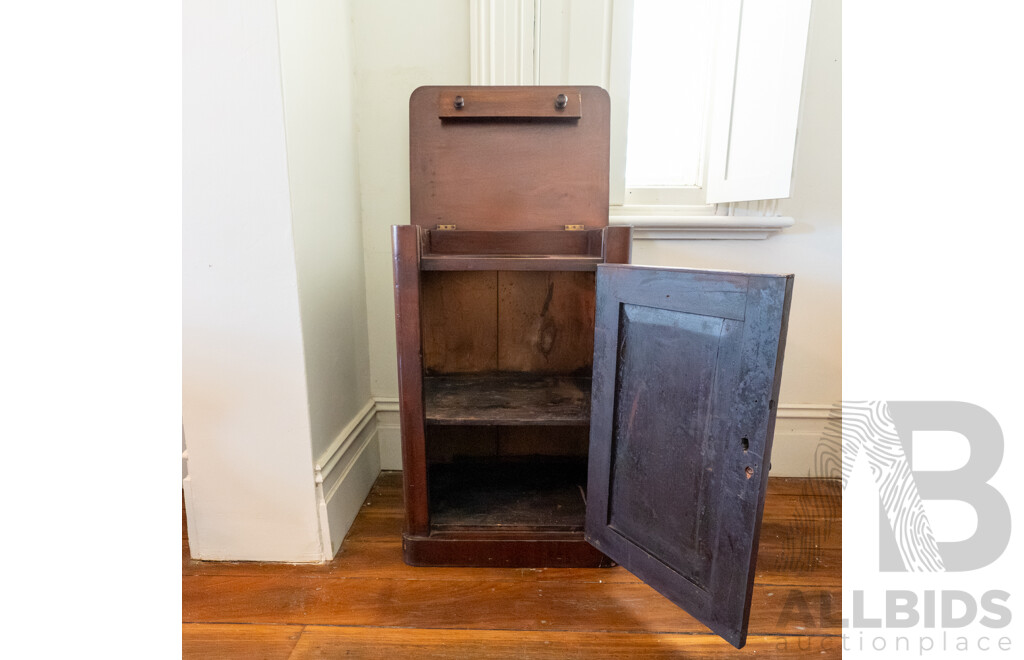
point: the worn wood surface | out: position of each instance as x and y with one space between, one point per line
242 641
508 495
449 443
350 606
815 567
546 322
507 399
685 383
405 241
543 440
515 250
513 243
621 606
520 548
510 262
459 321
479 321
617 245
333 642
509 103
507 173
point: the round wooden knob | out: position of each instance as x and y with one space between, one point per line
561 101
459 102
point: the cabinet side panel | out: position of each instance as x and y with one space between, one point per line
460 321
405 245
618 245
546 321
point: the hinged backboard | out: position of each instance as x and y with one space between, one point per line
509 157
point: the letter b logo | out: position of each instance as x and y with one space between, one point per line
883 430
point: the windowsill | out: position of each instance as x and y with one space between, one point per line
682 223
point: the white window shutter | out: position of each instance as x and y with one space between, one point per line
759 65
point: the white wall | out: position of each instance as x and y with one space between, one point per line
316 68
319 100
249 490
400 46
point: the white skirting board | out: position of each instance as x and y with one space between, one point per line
344 474
390 434
803 446
342 477
807 441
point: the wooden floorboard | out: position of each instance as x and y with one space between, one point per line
386 644
242 641
368 603
486 604
820 568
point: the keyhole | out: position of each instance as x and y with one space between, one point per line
745 443
749 471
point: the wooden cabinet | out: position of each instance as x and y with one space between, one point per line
560 407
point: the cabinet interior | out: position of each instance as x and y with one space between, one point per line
507 360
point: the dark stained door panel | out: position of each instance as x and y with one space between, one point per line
685 382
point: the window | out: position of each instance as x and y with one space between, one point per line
666 132
709 91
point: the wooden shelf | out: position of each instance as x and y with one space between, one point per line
508 496
507 399
509 262
512 250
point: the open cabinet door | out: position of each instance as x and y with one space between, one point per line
686 379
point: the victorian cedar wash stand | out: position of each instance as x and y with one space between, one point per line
558 406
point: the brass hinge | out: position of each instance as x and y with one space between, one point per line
446 227
574 228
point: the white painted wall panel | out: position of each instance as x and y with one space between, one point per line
399 46
244 400
319 104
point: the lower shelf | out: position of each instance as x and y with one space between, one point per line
525 495
507 399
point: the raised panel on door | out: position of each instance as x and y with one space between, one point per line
685 385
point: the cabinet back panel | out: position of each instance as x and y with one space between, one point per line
459 317
543 440
520 321
446 444
546 321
